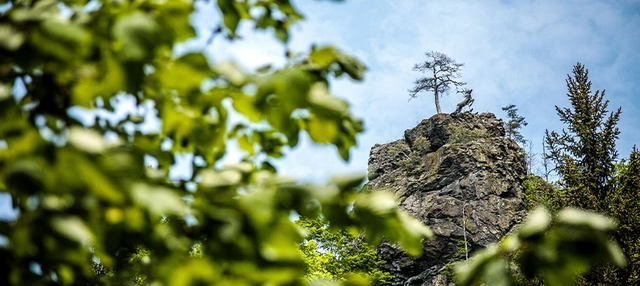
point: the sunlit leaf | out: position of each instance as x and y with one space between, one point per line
536 223
323 57
216 179
185 73
158 201
245 144
593 220
10 38
87 140
415 232
73 228
196 270
322 130
231 72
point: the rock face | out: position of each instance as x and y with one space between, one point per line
460 176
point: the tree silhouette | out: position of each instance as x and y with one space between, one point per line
442 72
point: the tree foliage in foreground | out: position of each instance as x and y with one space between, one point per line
334 255
88 205
442 73
551 249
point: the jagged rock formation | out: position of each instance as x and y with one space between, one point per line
459 175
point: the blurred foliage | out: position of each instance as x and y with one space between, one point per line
335 255
91 211
555 251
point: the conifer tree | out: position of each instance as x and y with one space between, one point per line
584 153
585 159
624 205
514 124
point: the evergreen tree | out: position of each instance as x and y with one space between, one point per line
514 124
585 153
624 205
585 160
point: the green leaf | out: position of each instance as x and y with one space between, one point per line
230 15
138 35
175 17
246 145
105 79
616 255
282 241
87 140
87 172
73 228
326 105
321 130
197 270
159 201
354 68
469 272
323 57
217 179
5 91
347 182
231 72
536 223
38 11
66 41
185 74
10 38
576 217
415 231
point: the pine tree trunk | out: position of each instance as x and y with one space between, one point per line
437 102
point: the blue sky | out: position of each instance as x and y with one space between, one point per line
516 52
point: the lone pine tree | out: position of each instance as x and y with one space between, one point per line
442 73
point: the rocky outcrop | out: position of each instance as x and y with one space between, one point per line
459 175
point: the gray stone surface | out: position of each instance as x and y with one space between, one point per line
480 172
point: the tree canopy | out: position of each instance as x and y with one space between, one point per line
89 204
